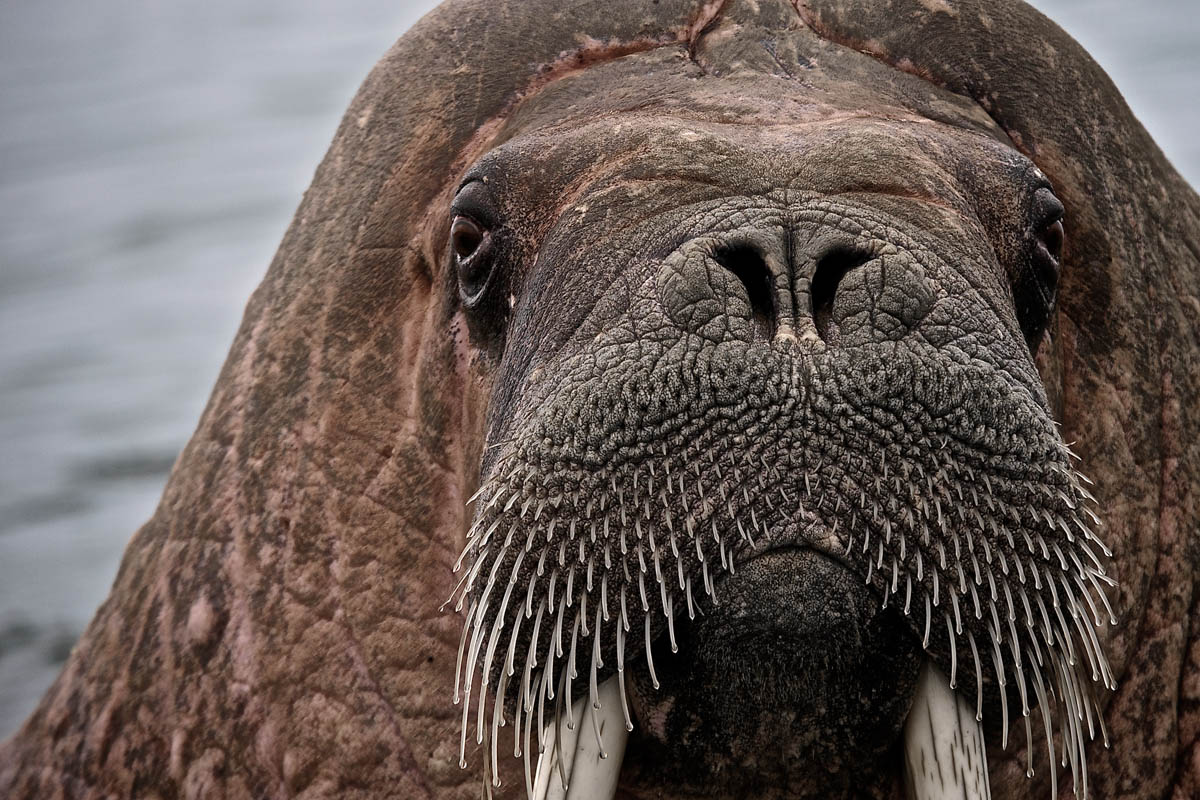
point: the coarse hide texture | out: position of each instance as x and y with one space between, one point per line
784 347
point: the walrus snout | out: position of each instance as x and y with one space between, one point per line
819 270
731 368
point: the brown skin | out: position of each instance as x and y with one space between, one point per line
1121 370
274 629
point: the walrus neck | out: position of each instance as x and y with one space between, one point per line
1156 648
276 625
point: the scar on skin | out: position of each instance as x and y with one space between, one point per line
940 7
200 621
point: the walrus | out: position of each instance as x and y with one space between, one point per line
791 399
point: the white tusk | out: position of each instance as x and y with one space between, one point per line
944 753
591 771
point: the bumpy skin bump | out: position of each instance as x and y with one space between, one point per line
660 355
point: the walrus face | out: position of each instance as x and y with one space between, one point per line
766 436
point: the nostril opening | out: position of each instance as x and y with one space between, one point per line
832 267
748 266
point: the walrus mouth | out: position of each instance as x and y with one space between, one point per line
984 539
573 742
581 755
944 752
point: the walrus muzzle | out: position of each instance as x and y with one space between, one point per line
777 406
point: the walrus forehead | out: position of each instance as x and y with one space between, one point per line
620 193
740 82
547 171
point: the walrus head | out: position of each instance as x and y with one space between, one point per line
765 431
761 334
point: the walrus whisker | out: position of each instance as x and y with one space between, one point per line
497 721
526 756
928 619
544 693
621 678
509 668
649 655
571 674
522 708
458 591
595 705
1031 636
555 648
1072 734
978 677
998 662
1087 596
975 604
596 661
494 635
583 613
556 746
462 641
472 655
472 574
1044 710
953 652
952 541
531 654
481 704
462 743
488 777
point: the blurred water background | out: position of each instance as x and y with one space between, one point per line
151 155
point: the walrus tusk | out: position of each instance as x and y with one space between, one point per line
591 769
944 753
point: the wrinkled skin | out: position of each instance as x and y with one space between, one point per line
795 239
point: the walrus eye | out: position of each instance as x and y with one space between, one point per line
470 242
474 233
465 237
1051 240
1037 283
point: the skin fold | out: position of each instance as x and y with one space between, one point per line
781 252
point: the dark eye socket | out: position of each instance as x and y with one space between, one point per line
465 237
1050 239
1037 282
475 238
470 244
1048 215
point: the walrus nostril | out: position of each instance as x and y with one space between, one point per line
832 267
748 266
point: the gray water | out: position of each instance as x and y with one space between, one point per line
151 155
